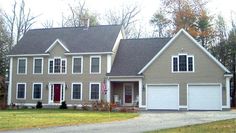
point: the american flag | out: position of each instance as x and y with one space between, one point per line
104 91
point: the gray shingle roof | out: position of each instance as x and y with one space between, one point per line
134 54
94 39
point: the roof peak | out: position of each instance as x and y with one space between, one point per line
55 28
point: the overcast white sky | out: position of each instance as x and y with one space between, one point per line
53 9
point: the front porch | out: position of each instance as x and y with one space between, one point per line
125 92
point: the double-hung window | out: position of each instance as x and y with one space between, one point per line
76 91
77 65
21 91
37 91
38 66
94 91
22 66
95 64
183 63
57 66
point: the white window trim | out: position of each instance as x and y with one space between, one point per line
177 56
49 66
99 85
40 88
81 57
17 91
53 59
34 65
99 64
81 91
192 62
25 66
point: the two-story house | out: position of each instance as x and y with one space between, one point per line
89 64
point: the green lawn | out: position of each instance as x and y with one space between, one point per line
225 126
31 118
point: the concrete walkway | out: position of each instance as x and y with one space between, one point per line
145 122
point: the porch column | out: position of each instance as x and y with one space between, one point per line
108 90
140 92
227 85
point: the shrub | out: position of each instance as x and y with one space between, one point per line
63 105
85 107
39 105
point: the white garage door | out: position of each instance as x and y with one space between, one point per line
163 97
204 97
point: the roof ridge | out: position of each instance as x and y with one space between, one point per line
147 38
54 28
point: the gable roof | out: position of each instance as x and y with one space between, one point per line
76 39
57 41
134 54
182 31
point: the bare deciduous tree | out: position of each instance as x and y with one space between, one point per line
48 24
126 17
78 14
19 22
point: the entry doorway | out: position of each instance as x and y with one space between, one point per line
128 93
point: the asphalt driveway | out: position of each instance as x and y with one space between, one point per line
147 121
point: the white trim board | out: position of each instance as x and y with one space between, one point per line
89 53
24 55
182 31
54 43
9 96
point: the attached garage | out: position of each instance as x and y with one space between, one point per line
204 97
163 97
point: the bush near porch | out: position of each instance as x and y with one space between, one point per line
38 118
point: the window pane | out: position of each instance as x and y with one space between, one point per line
37 91
175 64
182 63
57 65
21 91
94 91
190 63
76 91
51 67
77 65
63 67
95 65
22 64
38 66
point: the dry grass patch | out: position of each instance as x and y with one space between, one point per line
31 118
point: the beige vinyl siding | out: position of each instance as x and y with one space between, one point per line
68 78
206 70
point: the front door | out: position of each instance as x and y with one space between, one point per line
128 94
57 93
